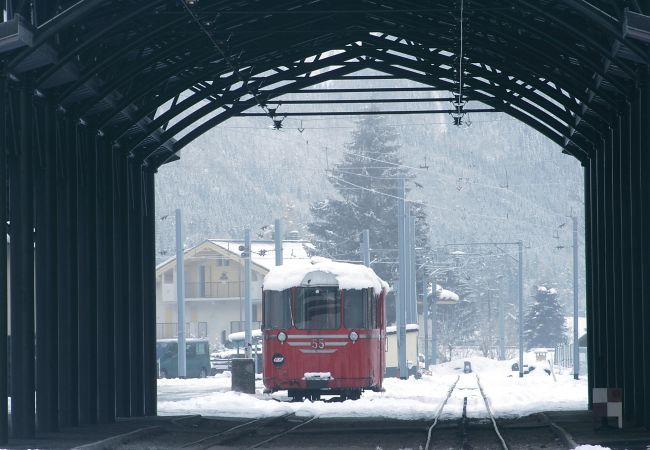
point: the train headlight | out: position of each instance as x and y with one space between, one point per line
282 336
353 336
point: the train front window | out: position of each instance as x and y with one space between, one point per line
277 309
358 309
318 308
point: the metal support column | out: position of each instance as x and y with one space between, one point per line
22 274
66 251
46 270
636 235
248 336
105 319
645 279
590 280
619 264
136 322
180 293
400 299
426 302
87 280
121 283
4 297
413 302
434 311
520 246
611 276
626 269
149 293
576 350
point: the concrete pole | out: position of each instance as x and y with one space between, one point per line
277 237
400 299
180 295
248 335
413 286
425 321
365 247
502 328
434 307
576 350
520 244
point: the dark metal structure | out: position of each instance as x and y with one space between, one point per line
81 139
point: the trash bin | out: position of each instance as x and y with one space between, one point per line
467 367
243 375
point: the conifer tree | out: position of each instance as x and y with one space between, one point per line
366 181
544 322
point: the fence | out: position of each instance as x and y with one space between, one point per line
237 326
564 357
192 330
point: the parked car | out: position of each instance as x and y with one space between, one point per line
220 362
197 358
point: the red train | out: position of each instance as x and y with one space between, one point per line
324 329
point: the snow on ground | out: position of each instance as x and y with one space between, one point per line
510 396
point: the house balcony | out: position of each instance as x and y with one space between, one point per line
219 290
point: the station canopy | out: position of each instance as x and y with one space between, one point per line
152 76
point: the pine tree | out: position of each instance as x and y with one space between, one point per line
367 182
544 322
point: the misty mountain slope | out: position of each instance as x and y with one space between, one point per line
495 180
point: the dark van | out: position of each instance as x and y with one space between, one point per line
197 358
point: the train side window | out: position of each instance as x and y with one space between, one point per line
318 308
277 309
355 308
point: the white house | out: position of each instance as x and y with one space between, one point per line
214 286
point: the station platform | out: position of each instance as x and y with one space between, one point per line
579 428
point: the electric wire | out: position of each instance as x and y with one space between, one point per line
231 65
440 208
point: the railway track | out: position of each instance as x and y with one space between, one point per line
479 428
474 428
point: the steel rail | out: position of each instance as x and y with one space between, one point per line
274 437
489 410
208 439
442 405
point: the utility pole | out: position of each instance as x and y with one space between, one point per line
576 349
277 237
434 306
180 295
520 244
247 293
502 327
425 321
365 247
413 302
400 299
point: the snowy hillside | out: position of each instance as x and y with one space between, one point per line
496 180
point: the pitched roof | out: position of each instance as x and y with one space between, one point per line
262 252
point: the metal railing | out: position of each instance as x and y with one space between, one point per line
214 289
169 330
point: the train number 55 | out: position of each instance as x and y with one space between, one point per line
317 343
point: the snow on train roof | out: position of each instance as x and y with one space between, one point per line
349 276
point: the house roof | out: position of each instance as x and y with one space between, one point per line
262 252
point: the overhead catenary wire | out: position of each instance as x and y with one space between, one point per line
231 65
440 208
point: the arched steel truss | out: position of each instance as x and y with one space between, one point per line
100 93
